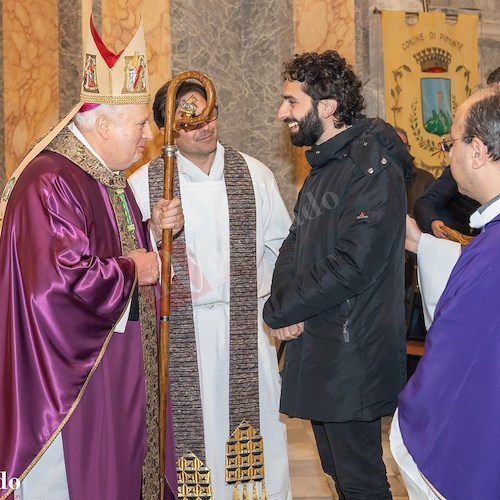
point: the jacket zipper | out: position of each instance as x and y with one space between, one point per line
345 323
345 332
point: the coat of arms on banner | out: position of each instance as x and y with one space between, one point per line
430 68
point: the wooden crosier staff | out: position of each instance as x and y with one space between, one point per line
172 125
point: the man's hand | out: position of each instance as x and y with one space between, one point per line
166 215
146 264
438 229
413 235
288 332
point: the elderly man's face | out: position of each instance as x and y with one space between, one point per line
129 137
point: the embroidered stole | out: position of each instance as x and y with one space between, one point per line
243 373
67 145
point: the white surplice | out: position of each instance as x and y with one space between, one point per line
205 207
437 257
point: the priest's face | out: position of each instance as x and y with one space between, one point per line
300 113
129 136
200 144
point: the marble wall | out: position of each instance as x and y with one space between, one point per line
120 19
70 42
322 25
42 45
31 74
240 45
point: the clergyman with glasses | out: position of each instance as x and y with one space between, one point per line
445 435
223 364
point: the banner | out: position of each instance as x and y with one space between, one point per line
430 68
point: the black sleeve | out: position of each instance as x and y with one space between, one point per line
284 268
437 197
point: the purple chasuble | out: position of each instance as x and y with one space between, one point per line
449 412
63 287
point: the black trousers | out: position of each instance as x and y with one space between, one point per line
351 452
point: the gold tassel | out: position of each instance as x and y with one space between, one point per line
236 494
255 495
264 495
245 495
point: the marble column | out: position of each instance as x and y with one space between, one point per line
31 74
71 40
267 43
120 19
323 25
241 46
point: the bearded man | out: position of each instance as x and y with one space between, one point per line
337 295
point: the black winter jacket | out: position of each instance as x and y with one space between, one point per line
341 271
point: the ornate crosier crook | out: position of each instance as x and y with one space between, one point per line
172 125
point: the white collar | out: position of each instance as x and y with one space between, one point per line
485 213
193 173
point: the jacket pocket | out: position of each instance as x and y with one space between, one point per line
334 325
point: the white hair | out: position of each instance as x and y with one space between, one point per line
85 121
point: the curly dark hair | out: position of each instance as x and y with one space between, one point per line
328 76
161 96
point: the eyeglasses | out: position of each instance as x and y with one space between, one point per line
188 127
447 144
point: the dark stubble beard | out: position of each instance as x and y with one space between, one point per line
310 129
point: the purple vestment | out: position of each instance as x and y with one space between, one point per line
449 412
63 287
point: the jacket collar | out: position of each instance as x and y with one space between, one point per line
345 143
322 154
